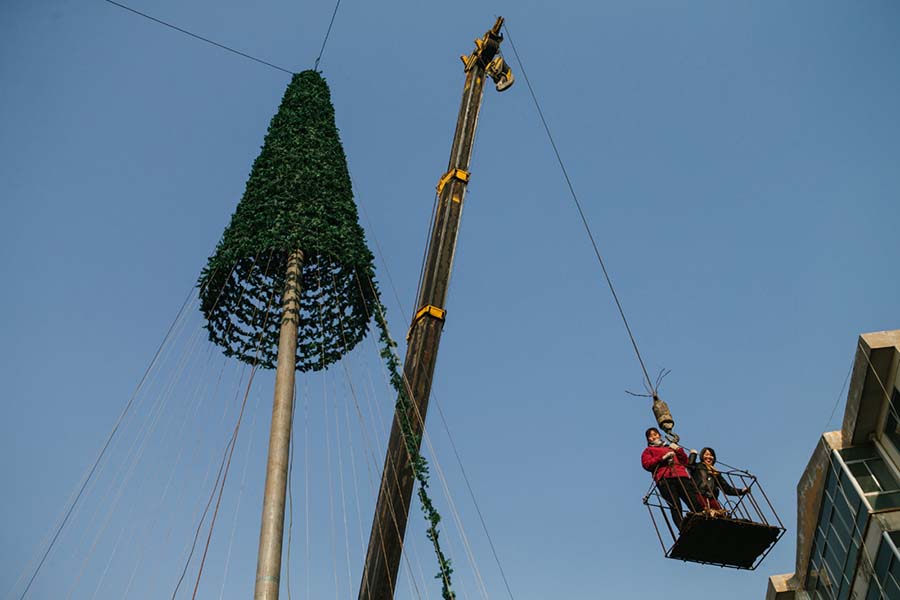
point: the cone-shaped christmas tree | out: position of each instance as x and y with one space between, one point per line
298 198
291 282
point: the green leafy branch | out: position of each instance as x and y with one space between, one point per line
412 440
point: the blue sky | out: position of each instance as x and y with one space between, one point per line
738 166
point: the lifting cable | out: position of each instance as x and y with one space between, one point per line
587 228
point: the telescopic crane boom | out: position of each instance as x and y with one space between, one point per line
392 509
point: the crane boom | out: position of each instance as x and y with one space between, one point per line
395 492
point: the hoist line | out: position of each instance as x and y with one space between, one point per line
327 33
201 38
584 221
106 444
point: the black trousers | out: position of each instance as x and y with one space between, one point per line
674 490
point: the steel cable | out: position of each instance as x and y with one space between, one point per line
584 221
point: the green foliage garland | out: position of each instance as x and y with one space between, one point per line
298 197
412 440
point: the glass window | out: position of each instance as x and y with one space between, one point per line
835 549
891 589
864 477
858 453
882 560
883 501
891 426
872 475
850 567
843 518
883 583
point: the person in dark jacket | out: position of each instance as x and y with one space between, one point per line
668 464
709 481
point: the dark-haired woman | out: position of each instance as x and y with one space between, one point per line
709 481
668 464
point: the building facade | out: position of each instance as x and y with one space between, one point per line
848 499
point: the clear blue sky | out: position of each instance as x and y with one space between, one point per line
738 164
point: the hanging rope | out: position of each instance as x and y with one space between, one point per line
201 38
327 33
584 221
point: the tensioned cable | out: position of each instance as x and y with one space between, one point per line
199 395
135 456
202 39
352 389
372 460
472 494
437 403
334 568
327 33
132 457
237 428
340 456
426 437
290 493
109 439
837 400
231 441
587 227
237 509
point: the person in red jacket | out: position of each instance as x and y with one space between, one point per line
668 464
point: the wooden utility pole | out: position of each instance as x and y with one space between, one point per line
271 533
392 509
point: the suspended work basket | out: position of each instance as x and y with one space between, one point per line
739 535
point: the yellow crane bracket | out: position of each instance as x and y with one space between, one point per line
485 48
452 174
428 310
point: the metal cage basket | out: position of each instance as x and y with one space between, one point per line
736 531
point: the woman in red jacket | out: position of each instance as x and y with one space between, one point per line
668 463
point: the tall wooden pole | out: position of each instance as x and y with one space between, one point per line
392 509
271 534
